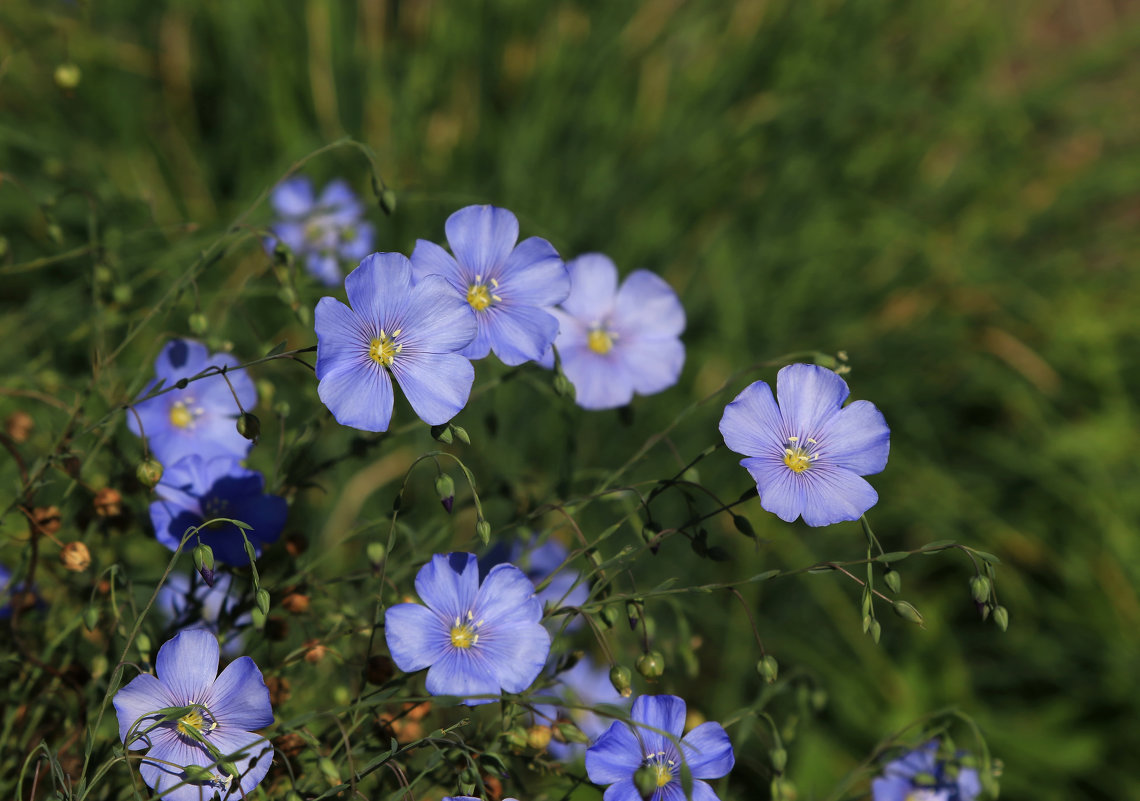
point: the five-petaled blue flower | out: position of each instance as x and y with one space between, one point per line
512 289
393 330
200 419
324 231
195 490
807 453
647 759
476 639
616 341
922 776
566 588
197 723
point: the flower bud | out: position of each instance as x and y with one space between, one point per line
1001 617
563 387
907 612
461 434
744 526
569 733
91 618
296 602
779 759
609 615
980 588
876 631
442 433
651 665
198 774
229 769
445 489
388 202
645 779
483 529
376 552
149 472
516 737
768 668
75 557
263 601
19 426
893 581
203 557
538 737
249 426
197 323
108 502
621 679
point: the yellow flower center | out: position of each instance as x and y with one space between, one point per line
479 296
180 416
663 774
191 723
600 340
798 458
383 349
464 632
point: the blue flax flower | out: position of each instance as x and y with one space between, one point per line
6 591
922 776
476 639
512 289
191 717
628 759
195 490
584 685
188 602
200 419
393 331
538 562
616 341
807 453
324 231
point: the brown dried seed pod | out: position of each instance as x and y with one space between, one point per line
19 426
279 690
75 557
296 602
108 502
47 519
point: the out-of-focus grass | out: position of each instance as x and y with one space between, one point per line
947 190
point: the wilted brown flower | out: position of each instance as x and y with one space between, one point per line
75 557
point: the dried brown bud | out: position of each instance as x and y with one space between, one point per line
108 502
291 744
47 519
75 557
315 652
19 426
295 544
379 669
295 602
493 786
538 737
279 690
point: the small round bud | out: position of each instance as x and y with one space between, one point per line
75 557
562 386
1001 617
483 529
197 323
768 668
538 737
67 75
229 769
645 779
19 426
149 472
46 519
296 603
779 759
376 552
203 557
445 489
621 679
249 426
980 588
263 601
461 434
907 612
876 631
893 581
108 502
90 618
315 652
651 665
122 294
282 408
379 669
442 433
388 202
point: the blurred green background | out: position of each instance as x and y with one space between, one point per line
948 191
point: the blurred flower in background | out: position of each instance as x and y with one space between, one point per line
922 776
190 603
566 588
325 231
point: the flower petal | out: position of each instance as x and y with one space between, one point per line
781 490
593 287
751 424
507 594
293 197
625 790
663 712
481 237
252 767
448 584
417 637
360 245
290 233
809 396
188 664
239 698
457 673
832 495
708 751
325 267
514 652
518 334
437 320
338 203
143 696
359 395
857 439
647 307
165 778
891 788
264 514
615 756
651 364
342 335
437 385
428 258
600 381
379 290
702 792
534 275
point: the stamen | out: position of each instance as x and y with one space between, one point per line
383 349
